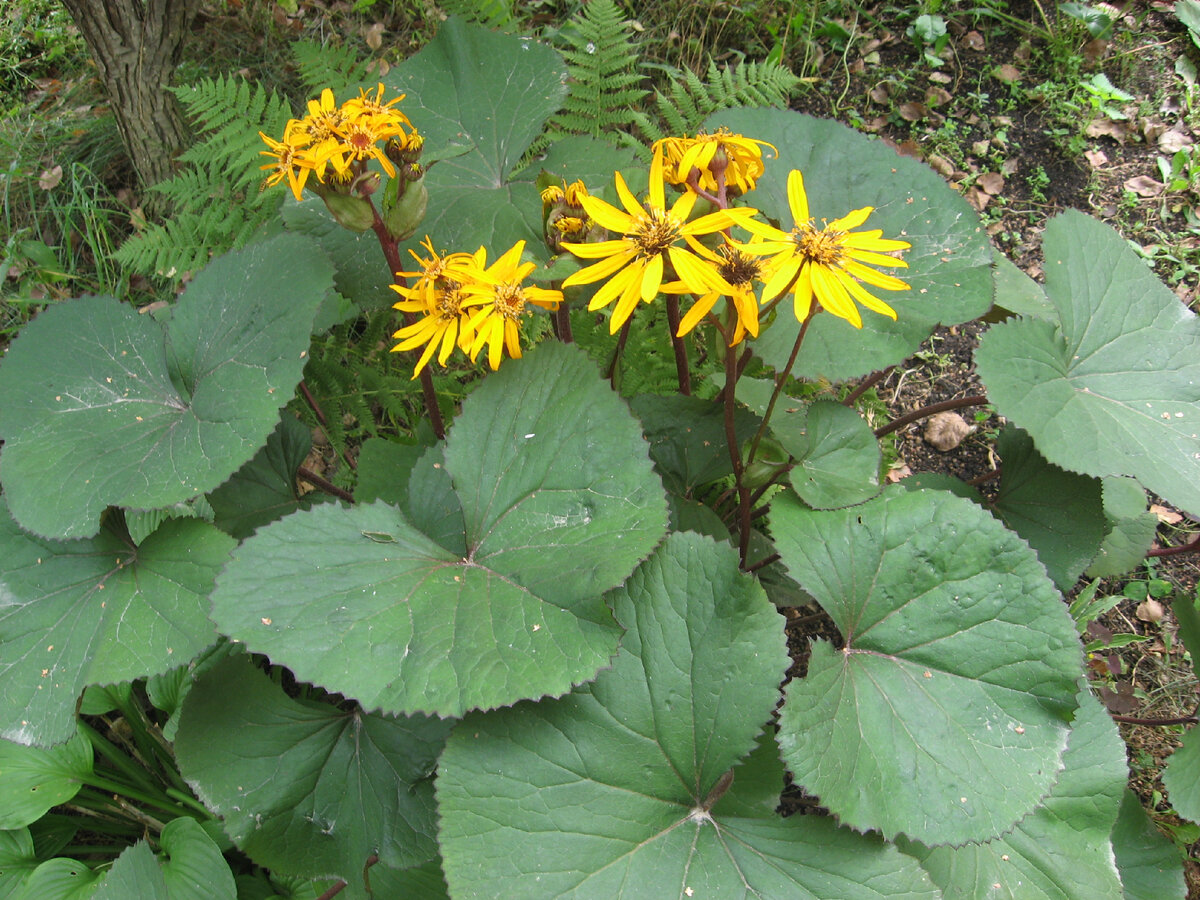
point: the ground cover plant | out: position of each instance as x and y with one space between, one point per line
528 642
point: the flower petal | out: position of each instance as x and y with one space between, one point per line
698 311
797 198
657 191
803 293
873 278
783 275
870 301
606 215
851 219
599 271
629 201
832 295
652 277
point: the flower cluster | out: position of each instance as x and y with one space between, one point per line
342 139
463 302
658 250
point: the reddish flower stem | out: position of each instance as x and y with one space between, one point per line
867 383
1191 546
781 378
391 252
681 358
327 486
611 375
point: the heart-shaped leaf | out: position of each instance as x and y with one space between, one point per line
945 714
325 789
949 265
104 406
837 455
630 787
33 779
190 867
1131 528
1121 367
558 502
97 611
1061 850
1059 513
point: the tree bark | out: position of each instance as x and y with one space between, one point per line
136 46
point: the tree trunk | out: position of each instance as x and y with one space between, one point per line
136 45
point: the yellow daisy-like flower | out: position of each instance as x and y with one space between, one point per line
502 300
291 159
741 156
438 298
653 236
827 264
366 105
741 271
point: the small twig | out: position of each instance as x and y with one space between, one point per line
316 407
869 382
1134 720
562 324
960 403
327 486
341 885
762 563
1191 546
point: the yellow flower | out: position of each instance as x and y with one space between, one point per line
741 271
501 298
292 159
741 156
653 236
438 298
827 264
366 105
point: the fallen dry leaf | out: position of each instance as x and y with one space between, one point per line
946 430
940 164
898 471
1010 166
1166 516
1149 610
50 178
1173 141
973 40
940 77
937 96
991 182
913 112
1007 73
880 94
979 201
1106 127
374 36
1095 158
1144 186
1094 50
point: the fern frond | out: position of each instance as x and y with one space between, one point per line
330 67
602 62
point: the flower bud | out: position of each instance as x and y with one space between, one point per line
404 205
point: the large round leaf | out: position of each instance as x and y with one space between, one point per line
558 503
949 265
97 611
1061 850
945 714
323 789
104 406
630 786
1150 865
1115 388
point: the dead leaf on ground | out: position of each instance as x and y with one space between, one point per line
1144 186
937 96
913 112
374 36
50 178
1095 158
910 148
898 471
946 430
1106 127
941 77
1173 141
1166 516
973 40
941 165
979 201
1007 73
1094 51
981 148
880 94
1149 610
1009 167
991 182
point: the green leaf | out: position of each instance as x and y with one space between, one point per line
106 407
189 868
1181 777
97 611
1187 615
1059 513
264 489
949 265
1061 850
17 861
32 779
324 787
489 93
383 470
945 714
559 503
60 879
1019 294
687 438
1122 367
837 454
1131 529
1149 864
621 789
